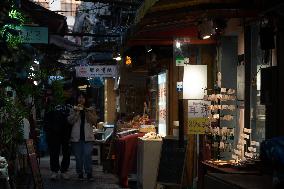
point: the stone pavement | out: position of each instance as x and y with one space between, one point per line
102 180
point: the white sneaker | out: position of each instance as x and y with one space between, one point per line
54 176
65 176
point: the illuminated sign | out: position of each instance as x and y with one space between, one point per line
128 60
162 103
96 71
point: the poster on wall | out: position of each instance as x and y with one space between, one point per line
198 116
96 71
162 103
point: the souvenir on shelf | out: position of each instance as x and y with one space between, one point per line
222 108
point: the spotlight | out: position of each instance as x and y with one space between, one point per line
178 44
36 61
148 49
118 58
205 29
206 36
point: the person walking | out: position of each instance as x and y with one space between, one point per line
58 131
82 119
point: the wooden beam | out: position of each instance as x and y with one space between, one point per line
197 15
90 34
165 42
163 5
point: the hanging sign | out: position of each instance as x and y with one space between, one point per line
96 71
34 34
179 61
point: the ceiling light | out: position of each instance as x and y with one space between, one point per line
206 37
206 29
148 48
118 58
36 61
178 44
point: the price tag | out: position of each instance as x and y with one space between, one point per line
252 143
252 149
248 154
223 90
237 152
235 157
247 130
246 136
239 147
243 142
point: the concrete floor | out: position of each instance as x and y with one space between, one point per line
102 180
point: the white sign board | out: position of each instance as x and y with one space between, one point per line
96 71
194 81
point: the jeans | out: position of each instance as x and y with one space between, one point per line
55 144
83 155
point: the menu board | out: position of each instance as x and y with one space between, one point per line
172 162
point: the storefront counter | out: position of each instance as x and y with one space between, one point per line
126 153
212 176
237 181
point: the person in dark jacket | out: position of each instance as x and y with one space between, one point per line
58 132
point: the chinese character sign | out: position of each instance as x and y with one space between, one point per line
96 71
198 116
32 34
162 97
198 108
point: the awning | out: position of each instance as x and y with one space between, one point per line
63 43
56 23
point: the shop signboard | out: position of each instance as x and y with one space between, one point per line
162 103
198 116
198 125
198 108
179 61
34 34
96 71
